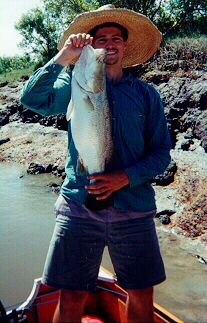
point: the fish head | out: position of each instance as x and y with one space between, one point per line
89 71
99 54
95 68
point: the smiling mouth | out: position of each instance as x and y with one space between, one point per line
110 52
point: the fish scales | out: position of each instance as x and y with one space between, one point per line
89 112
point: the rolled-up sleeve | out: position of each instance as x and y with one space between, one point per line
47 91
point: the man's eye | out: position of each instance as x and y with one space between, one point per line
117 39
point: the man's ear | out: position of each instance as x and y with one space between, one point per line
125 45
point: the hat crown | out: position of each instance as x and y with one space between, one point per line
106 7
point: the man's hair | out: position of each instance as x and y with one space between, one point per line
124 31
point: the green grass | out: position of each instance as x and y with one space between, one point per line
13 76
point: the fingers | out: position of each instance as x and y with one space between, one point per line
100 188
101 193
104 196
72 48
79 40
97 190
107 183
99 176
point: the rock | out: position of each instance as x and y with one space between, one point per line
189 134
165 212
35 169
3 141
24 78
55 187
58 122
12 107
4 118
201 259
52 184
201 129
2 84
185 145
164 216
157 77
49 168
185 102
27 115
59 172
168 176
164 219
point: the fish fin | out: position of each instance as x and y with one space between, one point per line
81 169
69 110
88 104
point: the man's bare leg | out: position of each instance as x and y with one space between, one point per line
140 306
70 306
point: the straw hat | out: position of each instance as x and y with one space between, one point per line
143 37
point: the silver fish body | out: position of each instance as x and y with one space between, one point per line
89 112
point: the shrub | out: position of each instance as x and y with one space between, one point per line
8 64
185 53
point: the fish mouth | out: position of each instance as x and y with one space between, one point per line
101 57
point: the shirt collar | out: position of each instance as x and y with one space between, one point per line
128 79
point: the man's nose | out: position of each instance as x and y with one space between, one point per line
109 43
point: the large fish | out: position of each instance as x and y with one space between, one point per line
89 112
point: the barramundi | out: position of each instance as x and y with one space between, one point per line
89 112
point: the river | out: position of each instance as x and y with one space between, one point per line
27 221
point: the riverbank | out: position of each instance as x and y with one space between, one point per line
182 202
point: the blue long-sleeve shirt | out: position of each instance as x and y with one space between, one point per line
140 134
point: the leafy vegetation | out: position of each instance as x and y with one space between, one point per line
40 33
7 64
12 77
182 52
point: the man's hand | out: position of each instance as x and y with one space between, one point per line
72 48
107 183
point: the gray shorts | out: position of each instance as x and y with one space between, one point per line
76 250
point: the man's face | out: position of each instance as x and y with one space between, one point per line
112 40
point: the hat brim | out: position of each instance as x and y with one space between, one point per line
143 36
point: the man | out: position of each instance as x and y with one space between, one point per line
142 147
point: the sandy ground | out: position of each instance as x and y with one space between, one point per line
33 143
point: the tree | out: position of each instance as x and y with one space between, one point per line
149 8
42 29
187 16
40 33
66 10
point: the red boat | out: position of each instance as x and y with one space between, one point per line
106 305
